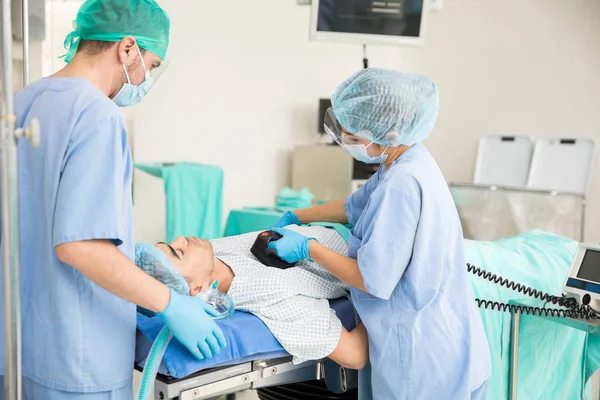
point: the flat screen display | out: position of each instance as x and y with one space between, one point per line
399 18
324 104
590 266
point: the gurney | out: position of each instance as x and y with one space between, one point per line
555 361
253 359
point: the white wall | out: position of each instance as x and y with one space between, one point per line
509 66
243 88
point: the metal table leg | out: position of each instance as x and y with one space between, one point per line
514 354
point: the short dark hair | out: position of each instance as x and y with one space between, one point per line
95 47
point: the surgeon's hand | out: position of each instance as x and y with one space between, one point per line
189 318
289 218
292 247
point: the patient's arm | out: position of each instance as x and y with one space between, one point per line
352 350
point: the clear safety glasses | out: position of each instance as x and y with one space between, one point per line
157 72
337 133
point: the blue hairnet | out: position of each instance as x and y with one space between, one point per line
156 264
387 107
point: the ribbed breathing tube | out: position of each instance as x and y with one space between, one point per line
153 362
218 300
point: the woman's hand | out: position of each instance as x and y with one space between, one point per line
289 218
292 247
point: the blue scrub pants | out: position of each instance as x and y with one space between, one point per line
34 391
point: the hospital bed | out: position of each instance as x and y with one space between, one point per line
555 360
253 359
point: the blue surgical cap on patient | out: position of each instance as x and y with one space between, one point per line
387 107
156 264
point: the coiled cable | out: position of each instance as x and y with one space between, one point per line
572 309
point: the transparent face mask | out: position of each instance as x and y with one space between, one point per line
158 72
337 132
221 302
353 144
334 129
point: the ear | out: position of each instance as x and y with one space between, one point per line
127 51
195 290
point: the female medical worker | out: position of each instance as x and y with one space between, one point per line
405 254
79 283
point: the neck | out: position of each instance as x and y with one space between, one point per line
94 69
223 274
394 154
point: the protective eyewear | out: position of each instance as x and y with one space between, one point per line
337 132
158 72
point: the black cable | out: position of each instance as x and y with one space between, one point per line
572 308
548 312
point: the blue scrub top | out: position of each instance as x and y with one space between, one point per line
76 186
426 338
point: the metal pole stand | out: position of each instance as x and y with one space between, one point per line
9 135
514 354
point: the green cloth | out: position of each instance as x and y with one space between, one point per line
194 198
555 360
112 20
293 199
251 219
255 219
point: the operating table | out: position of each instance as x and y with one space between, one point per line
253 359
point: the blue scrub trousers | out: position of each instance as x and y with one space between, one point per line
35 391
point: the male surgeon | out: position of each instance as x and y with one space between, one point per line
78 282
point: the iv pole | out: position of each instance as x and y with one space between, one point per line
25 31
10 251
9 134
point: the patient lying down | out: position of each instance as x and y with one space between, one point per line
292 303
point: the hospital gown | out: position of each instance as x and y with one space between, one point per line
293 302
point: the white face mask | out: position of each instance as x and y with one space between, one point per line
359 152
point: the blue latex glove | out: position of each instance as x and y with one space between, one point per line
189 318
289 218
292 247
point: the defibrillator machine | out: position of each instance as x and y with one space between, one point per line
580 299
583 281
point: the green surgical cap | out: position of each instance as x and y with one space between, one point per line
112 20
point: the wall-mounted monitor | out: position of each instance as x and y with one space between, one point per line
393 22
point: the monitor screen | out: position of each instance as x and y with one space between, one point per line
590 266
394 18
324 104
